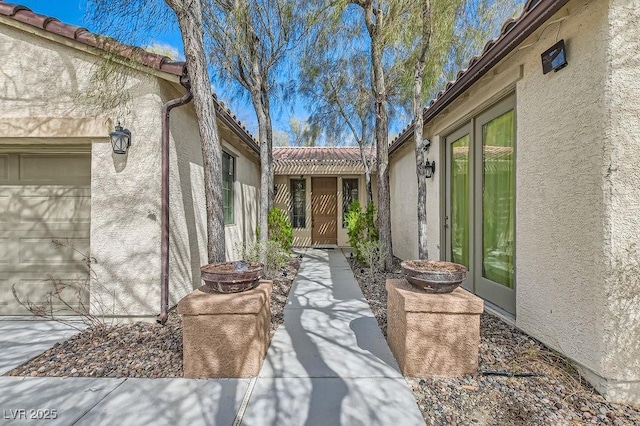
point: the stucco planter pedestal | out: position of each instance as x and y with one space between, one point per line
225 335
433 334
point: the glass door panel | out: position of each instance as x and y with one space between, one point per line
459 197
494 245
459 218
498 199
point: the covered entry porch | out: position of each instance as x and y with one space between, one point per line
315 186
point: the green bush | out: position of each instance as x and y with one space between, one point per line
280 229
361 227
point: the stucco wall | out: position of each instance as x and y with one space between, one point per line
404 198
46 86
188 216
246 194
47 101
302 236
621 177
560 263
577 198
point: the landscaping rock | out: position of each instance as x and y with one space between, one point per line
558 395
140 349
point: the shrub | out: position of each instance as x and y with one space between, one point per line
361 226
68 297
276 256
373 256
280 229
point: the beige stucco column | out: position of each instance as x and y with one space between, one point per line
225 335
433 334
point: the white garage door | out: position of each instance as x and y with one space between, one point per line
45 211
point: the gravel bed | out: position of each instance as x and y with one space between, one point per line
556 395
140 349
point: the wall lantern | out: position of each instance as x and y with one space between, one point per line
555 58
429 168
120 139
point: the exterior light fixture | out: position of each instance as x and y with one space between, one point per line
555 58
426 144
429 168
120 139
275 189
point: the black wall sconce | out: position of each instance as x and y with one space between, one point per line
120 139
429 168
554 58
275 190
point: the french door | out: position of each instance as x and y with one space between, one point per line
480 203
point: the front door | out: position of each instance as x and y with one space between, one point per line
324 210
480 205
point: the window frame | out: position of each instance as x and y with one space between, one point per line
228 192
293 189
345 205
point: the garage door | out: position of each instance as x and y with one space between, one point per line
45 211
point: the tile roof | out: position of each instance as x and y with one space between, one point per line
318 155
513 32
50 24
137 54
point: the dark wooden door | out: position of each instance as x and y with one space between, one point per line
324 210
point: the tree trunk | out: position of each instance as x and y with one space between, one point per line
367 171
420 170
189 16
269 128
382 135
265 191
417 132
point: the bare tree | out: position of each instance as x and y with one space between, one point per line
189 14
303 132
423 49
448 32
421 36
338 90
385 25
249 41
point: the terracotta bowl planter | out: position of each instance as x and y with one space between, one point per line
434 276
231 277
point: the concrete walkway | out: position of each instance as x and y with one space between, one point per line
328 365
21 340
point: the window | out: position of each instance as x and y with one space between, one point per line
349 195
228 177
298 203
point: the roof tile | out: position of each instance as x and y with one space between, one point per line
322 155
82 35
508 25
50 24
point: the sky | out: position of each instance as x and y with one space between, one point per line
75 12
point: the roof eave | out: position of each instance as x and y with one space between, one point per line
527 24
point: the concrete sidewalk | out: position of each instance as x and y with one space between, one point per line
21 340
327 365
